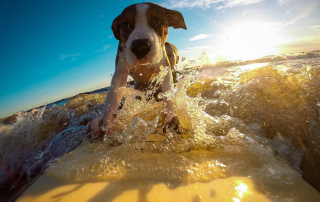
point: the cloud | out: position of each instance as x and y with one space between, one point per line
296 44
41 71
281 2
209 3
104 48
199 47
63 56
42 90
305 11
190 3
200 36
315 28
196 48
241 2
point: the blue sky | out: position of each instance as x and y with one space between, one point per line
56 49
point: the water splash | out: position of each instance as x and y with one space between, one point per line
235 120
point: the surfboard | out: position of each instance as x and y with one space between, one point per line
56 187
234 189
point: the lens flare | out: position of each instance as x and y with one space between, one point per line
251 41
241 188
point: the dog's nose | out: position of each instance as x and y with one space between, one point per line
140 47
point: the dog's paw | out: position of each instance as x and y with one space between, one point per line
92 134
95 124
172 123
97 135
96 131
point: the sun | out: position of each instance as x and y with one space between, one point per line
250 41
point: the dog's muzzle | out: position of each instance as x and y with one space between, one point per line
140 47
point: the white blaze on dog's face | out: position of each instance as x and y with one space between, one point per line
144 43
142 30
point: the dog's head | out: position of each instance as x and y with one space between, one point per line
143 30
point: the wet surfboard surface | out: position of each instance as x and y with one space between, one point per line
188 176
231 189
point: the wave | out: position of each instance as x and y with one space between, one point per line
249 114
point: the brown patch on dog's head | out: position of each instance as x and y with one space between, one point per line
116 28
175 19
124 24
157 20
161 18
171 18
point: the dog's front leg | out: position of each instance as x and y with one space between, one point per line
110 108
167 85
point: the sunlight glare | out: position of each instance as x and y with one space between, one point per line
236 200
250 41
211 58
250 67
241 188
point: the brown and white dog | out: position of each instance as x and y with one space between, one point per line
142 31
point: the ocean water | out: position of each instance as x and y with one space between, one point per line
258 119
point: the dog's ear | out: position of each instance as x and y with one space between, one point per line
175 19
116 28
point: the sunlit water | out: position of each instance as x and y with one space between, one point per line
246 119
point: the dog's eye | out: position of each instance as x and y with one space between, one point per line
156 21
170 54
126 25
